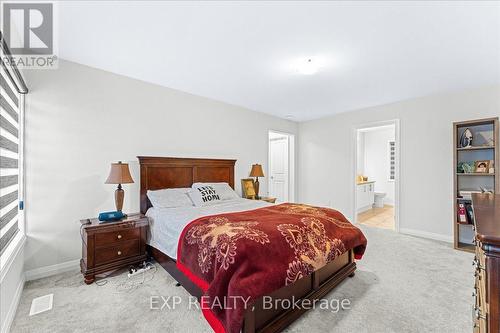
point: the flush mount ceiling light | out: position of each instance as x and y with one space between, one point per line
308 66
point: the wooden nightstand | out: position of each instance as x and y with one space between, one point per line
268 199
112 245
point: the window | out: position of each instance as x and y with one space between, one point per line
392 160
12 90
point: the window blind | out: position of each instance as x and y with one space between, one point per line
11 117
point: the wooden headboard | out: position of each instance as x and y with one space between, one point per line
172 172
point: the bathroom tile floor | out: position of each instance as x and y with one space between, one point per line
378 217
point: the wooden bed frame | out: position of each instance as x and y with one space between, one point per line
167 172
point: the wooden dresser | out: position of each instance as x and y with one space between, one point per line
486 309
112 245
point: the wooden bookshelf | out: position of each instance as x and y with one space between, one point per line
464 233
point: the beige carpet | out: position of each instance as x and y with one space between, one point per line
403 284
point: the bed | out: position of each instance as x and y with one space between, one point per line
166 172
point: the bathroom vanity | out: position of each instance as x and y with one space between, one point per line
365 195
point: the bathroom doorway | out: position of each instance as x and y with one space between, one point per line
376 180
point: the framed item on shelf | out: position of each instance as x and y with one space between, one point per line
482 166
485 139
248 188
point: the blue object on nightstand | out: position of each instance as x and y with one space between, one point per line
111 216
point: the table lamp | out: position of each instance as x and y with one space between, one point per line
119 174
256 172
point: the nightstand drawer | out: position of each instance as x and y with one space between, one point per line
123 250
106 238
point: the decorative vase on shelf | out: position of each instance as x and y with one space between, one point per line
466 138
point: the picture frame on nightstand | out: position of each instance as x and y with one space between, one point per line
248 188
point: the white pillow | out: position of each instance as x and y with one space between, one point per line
223 189
204 196
170 198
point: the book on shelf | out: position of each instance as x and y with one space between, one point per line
465 214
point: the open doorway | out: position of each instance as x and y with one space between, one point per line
281 166
377 175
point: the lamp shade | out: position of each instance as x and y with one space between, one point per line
257 171
119 174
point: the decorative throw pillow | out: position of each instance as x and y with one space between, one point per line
223 189
204 196
170 198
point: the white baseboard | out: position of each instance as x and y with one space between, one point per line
425 234
45 271
9 318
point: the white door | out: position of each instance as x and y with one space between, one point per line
278 168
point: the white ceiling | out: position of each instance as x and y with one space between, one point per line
244 52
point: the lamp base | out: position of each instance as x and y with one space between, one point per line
256 188
119 195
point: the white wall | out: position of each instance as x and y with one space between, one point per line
360 159
376 160
326 156
80 119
